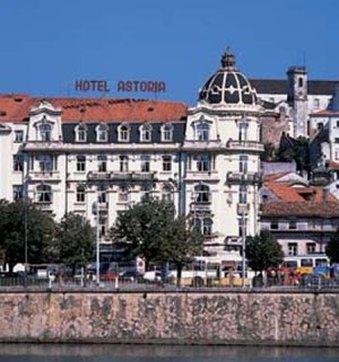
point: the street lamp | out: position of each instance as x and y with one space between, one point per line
95 211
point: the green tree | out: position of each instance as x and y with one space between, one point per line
75 240
21 219
263 251
141 228
332 248
181 242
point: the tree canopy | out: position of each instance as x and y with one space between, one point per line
263 251
142 227
151 231
75 241
21 219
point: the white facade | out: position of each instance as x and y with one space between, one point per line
211 173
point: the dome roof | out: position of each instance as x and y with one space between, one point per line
228 85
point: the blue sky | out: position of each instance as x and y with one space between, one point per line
46 45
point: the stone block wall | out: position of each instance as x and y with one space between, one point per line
185 318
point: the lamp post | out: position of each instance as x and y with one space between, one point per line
243 243
95 211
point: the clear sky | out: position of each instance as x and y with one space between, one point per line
46 45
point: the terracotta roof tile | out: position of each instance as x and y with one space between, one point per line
326 209
16 108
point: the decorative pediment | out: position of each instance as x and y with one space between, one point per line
5 128
45 107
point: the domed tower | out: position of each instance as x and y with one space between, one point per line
222 165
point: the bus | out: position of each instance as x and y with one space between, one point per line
220 270
305 264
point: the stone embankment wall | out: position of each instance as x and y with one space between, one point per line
191 318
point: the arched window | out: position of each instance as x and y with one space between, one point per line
102 133
202 193
81 193
102 163
45 132
207 224
123 133
167 133
202 131
44 194
81 133
145 133
167 193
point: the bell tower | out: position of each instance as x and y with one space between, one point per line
297 98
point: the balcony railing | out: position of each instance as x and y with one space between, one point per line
245 145
44 175
240 177
121 176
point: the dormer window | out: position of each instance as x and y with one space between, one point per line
45 132
202 131
81 133
145 133
123 133
167 133
102 133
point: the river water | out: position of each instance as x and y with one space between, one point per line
145 353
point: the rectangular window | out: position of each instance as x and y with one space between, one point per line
145 163
337 124
274 225
102 226
292 249
123 194
102 196
311 248
292 225
81 163
243 127
242 194
17 192
242 227
18 136
102 163
243 164
166 163
45 163
123 163
18 163
336 140
203 163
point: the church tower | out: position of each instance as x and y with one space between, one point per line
297 98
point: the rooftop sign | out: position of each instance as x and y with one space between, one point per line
150 86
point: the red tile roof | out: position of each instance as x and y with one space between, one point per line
325 113
325 209
16 108
288 193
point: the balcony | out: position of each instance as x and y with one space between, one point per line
202 176
44 206
247 178
245 146
44 176
243 209
121 176
200 207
